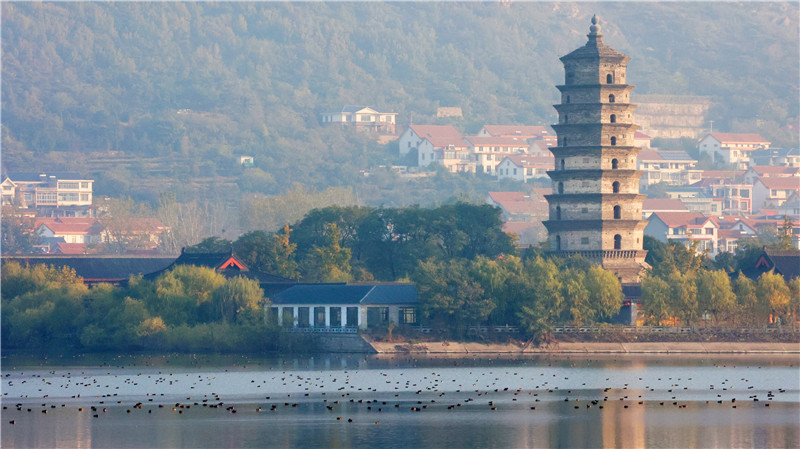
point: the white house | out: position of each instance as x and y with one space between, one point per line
771 193
330 307
489 151
524 167
519 131
670 167
71 229
55 194
684 227
768 171
730 148
362 117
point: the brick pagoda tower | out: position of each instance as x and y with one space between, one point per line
596 208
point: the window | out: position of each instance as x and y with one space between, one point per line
565 141
615 187
709 231
84 185
515 172
567 98
609 79
584 240
613 140
566 118
562 164
558 212
408 315
558 243
617 212
611 98
614 164
560 187
617 241
613 118
67 185
423 156
530 171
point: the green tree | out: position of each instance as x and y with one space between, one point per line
267 253
330 263
656 294
772 288
605 292
714 293
750 305
239 299
683 298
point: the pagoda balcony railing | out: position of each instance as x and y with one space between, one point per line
604 254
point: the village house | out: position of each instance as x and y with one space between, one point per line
779 157
52 195
641 140
653 205
523 214
771 193
84 230
489 151
525 167
670 167
768 171
790 207
703 205
730 148
684 227
362 118
438 144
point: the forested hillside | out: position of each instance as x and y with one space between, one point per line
196 84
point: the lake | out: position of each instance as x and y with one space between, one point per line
332 401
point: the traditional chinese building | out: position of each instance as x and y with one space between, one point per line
595 207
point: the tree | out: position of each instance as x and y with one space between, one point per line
656 295
546 302
785 234
683 296
267 253
184 294
18 235
714 293
605 292
210 245
239 299
330 263
749 304
772 288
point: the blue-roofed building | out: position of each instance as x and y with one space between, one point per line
343 306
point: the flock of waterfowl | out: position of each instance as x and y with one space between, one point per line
363 396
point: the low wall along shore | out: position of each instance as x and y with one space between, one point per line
442 347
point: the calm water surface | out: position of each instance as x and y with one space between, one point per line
373 401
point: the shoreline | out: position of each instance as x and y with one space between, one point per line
440 347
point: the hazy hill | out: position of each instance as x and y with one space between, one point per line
202 82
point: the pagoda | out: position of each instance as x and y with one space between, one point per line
595 207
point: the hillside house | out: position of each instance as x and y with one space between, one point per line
779 157
641 140
771 193
52 195
362 118
790 207
670 167
525 167
768 171
489 151
438 144
730 148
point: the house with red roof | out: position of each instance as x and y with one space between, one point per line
653 205
525 167
731 148
523 215
771 193
768 171
684 227
641 140
86 230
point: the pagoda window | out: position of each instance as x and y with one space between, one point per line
611 98
558 212
609 79
558 243
613 118
613 140
567 98
615 187
614 164
617 241
566 118
560 188
617 212
563 164
565 141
